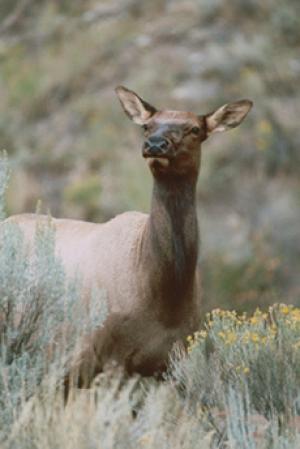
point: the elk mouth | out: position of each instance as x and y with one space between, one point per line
157 161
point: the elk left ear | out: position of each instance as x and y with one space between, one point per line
135 107
228 116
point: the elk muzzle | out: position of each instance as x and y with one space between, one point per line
157 148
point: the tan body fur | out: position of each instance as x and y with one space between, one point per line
133 335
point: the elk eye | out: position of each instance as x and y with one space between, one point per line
145 127
195 130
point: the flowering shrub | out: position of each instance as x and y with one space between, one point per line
255 360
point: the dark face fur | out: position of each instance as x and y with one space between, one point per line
172 143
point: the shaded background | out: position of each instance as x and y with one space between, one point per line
71 145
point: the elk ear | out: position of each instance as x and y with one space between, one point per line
228 116
137 109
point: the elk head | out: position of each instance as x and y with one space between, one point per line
172 139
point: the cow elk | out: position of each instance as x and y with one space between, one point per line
146 263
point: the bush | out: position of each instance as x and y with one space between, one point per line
39 313
237 388
244 365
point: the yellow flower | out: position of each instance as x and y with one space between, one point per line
258 312
242 318
243 369
264 340
230 337
258 317
246 337
295 313
217 311
202 334
254 337
284 309
254 320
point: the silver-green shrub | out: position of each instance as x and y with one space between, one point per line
40 317
4 178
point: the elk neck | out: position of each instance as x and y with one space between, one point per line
170 242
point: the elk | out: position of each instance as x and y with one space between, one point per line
147 263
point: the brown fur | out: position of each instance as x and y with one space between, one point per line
146 263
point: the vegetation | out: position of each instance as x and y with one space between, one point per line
40 321
237 386
68 142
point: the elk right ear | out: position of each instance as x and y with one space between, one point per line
137 109
228 116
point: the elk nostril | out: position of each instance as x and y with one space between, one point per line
155 150
163 145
